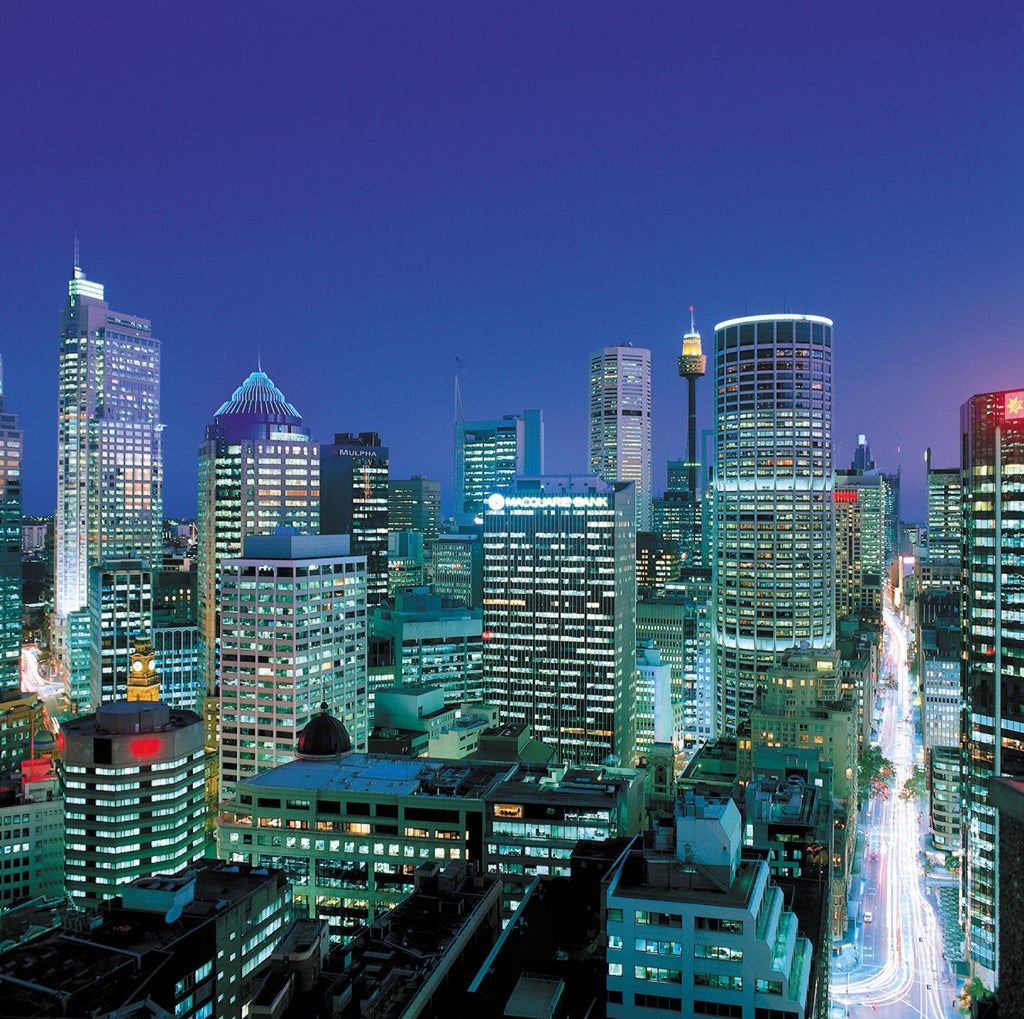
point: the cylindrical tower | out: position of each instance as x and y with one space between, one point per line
773 558
692 366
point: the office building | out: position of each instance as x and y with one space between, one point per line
457 568
354 501
293 635
992 430
489 454
109 460
132 780
620 421
407 566
10 547
350 829
695 929
193 945
774 541
945 525
258 470
560 608
414 504
31 833
652 712
22 729
428 640
120 608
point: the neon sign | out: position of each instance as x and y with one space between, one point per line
1013 405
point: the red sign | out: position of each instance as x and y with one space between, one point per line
845 495
1013 405
147 746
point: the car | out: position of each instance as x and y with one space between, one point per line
867 916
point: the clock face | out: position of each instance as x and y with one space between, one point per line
151 666
137 665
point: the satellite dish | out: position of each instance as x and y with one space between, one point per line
173 913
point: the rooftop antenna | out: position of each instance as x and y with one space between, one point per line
693 324
259 358
78 264
459 415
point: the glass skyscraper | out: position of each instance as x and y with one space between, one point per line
620 421
109 462
773 558
992 656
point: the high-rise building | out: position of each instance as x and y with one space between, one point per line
121 608
258 470
293 636
354 501
620 421
774 543
992 436
457 570
945 525
414 504
489 454
559 609
109 459
132 779
10 547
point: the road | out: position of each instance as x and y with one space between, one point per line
50 692
901 970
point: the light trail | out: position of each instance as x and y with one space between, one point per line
911 979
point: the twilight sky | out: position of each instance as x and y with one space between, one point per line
361 191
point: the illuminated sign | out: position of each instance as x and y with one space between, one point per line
1013 405
845 495
498 502
147 746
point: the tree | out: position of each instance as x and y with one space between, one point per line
915 785
875 772
973 990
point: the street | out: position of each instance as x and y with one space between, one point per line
900 969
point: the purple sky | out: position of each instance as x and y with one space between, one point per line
361 191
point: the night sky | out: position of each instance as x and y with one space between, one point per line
356 193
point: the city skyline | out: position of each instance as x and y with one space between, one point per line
518 190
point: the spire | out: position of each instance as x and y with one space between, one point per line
693 324
76 272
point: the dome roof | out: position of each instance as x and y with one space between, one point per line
323 738
258 397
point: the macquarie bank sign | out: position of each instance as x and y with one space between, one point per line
498 502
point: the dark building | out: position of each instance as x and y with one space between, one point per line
192 945
354 501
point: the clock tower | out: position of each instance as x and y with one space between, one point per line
143 679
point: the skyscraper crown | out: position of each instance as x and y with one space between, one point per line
258 397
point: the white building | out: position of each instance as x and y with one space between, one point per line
293 635
696 930
773 559
620 421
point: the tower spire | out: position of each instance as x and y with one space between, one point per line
77 267
693 324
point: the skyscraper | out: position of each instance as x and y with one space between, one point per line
620 421
489 454
293 636
773 559
10 547
109 460
354 501
945 526
992 657
258 470
414 504
559 606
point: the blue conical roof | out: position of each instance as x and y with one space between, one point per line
258 397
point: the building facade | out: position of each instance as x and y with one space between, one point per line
992 430
559 607
489 454
293 636
414 504
774 542
132 779
354 501
109 457
620 421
